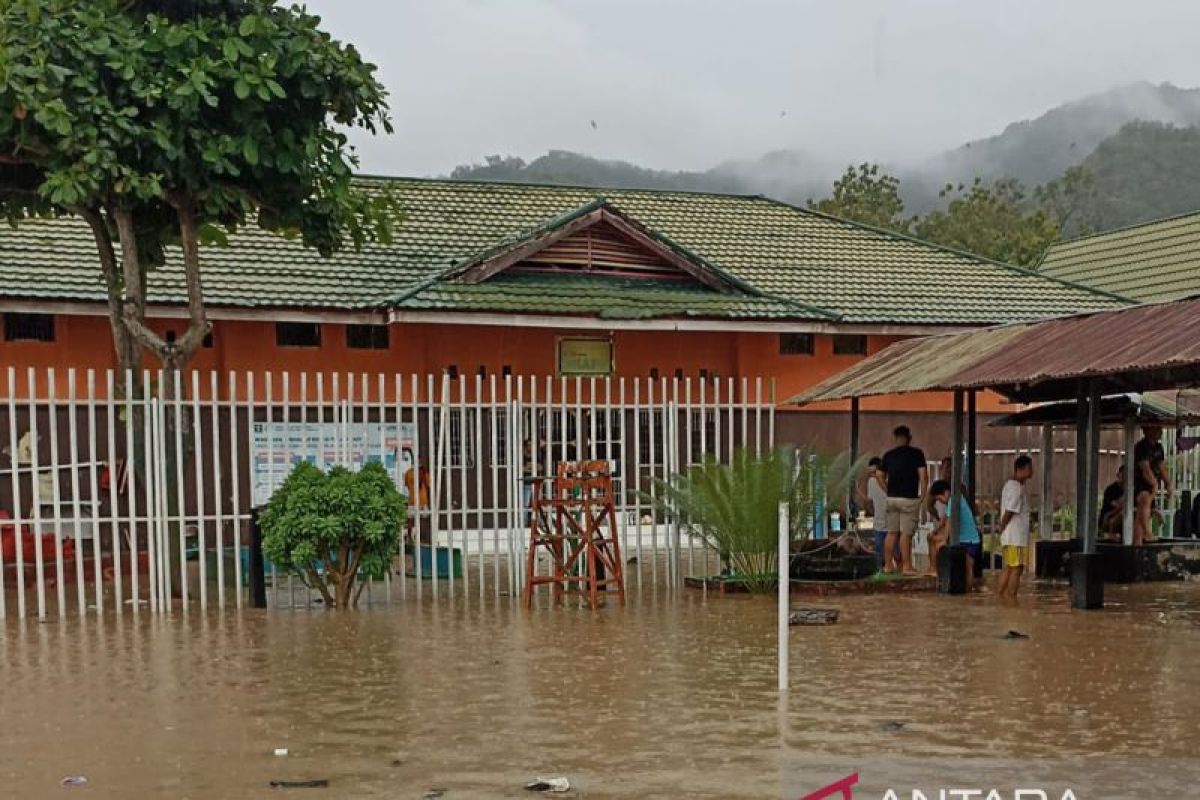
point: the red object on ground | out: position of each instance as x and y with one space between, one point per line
8 544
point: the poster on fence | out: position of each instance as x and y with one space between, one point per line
275 447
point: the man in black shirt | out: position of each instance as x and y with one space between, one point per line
1149 471
907 479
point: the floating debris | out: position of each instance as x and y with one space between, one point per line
813 616
316 783
1016 635
892 726
549 785
281 751
74 780
433 794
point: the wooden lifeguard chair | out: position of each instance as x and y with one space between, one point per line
575 523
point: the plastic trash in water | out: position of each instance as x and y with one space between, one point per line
75 780
317 783
281 751
549 785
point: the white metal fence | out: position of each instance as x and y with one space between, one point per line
104 475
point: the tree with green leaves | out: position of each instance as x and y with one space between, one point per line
994 221
866 195
335 530
1070 201
168 123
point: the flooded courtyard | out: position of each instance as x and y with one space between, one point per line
672 696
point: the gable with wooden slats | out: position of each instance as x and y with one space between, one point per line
600 249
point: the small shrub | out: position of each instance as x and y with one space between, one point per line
334 529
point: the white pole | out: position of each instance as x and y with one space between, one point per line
1130 494
783 569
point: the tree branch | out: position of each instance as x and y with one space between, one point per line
189 235
128 350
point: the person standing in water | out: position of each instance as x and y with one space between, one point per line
1014 527
907 478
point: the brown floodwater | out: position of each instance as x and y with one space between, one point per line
672 696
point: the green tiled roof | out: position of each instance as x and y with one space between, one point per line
793 263
1153 261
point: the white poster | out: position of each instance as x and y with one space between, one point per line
275 447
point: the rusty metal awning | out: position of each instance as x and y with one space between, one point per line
1128 350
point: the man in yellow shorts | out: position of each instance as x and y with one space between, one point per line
1014 527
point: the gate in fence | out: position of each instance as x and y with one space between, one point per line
105 479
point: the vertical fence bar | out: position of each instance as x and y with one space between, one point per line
381 408
94 495
131 418
464 463
73 464
637 475
269 423
56 486
181 508
479 462
512 492
285 440
493 449
236 486
36 495
18 517
218 491
716 412
758 415
435 481
110 412
652 441
417 476
400 476
158 463
732 401
198 466
152 465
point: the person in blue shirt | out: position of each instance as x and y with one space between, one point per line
968 533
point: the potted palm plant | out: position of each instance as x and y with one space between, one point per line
734 507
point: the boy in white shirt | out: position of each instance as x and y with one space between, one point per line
1014 527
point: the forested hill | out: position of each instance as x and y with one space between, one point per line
1139 171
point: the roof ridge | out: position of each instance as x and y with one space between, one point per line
1122 229
595 187
934 245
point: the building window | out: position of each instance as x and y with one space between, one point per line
651 437
207 343
28 327
457 448
297 334
849 344
795 344
704 433
367 337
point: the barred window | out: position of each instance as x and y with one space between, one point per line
650 431
20 327
297 334
795 344
367 337
704 433
849 344
459 442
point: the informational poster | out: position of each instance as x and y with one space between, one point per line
275 447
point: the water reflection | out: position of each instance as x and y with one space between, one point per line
671 697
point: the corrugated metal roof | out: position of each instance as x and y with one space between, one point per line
1140 345
1153 261
793 259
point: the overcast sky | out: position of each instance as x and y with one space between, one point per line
683 85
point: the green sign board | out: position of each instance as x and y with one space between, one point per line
577 356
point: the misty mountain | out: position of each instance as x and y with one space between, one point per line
1146 171
785 174
1039 150
1141 171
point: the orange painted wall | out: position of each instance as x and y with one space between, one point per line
84 342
